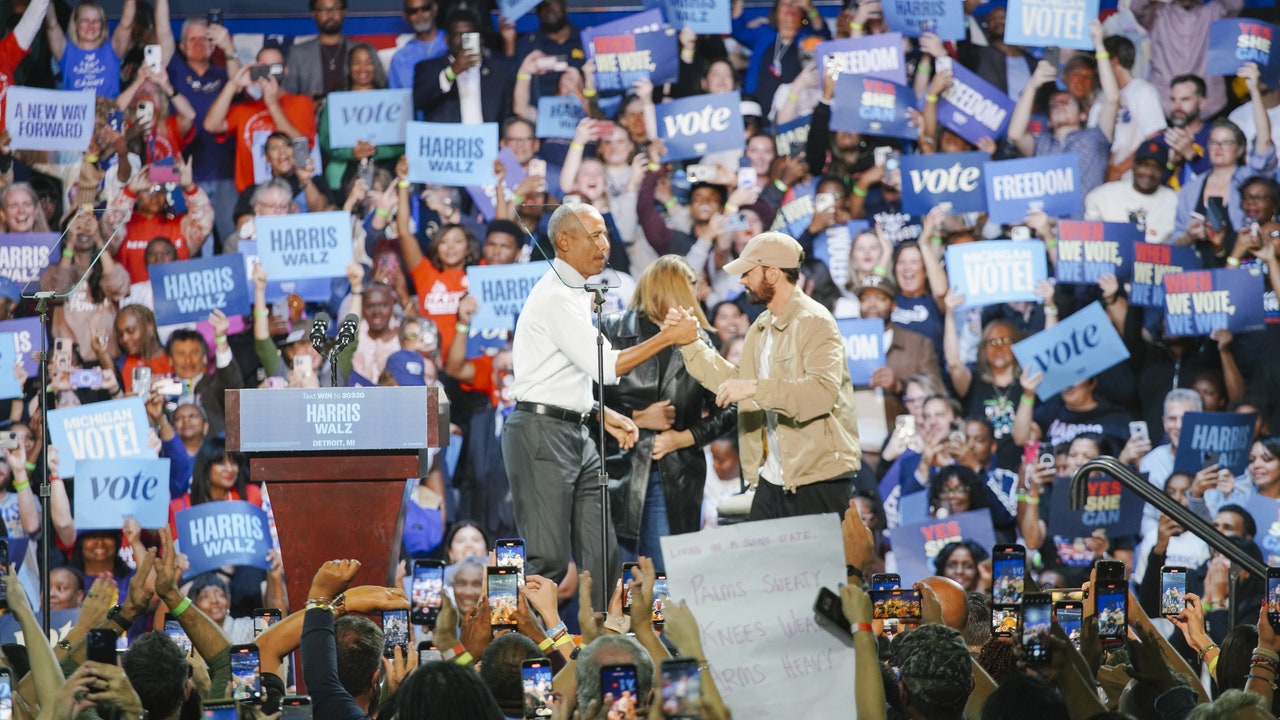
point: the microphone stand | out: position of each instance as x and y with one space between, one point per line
46 507
598 291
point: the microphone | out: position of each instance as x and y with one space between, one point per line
320 332
347 331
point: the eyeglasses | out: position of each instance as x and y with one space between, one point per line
1258 197
520 139
421 9
955 490
1222 143
1000 341
914 400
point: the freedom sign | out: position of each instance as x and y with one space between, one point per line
877 56
910 16
558 116
996 271
1089 249
189 290
1151 262
1046 23
110 492
956 178
378 116
973 108
873 107
107 430
1201 301
39 119
501 291
304 245
1052 181
9 386
625 59
916 545
1077 348
223 532
694 126
26 339
1228 434
863 347
451 154
1106 505
23 256
705 17
1234 42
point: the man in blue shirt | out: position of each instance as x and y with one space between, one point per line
428 42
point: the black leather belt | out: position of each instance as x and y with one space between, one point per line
553 411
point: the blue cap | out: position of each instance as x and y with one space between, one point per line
9 289
985 9
406 366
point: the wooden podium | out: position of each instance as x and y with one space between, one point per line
336 461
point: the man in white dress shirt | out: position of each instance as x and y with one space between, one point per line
546 443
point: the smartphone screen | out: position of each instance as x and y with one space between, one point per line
100 646
681 689
174 630
295 707
264 618
1173 588
1113 599
1037 619
535 680
246 673
1008 568
1070 617
660 595
395 632
885 581
510 553
619 681
1005 620
428 652
1273 596
427 587
6 695
301 151
829 614
895 604
1138 429
221 710
626 585
4 568
503 587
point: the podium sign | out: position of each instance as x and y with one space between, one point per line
334 419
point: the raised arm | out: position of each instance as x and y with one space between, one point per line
164 33
1261 120
25 31
215 121
53 31
1110 88
961 376
1026 144
206 637
44 664
869 689
122 38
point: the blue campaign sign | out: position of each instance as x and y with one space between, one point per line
486 196
873 107
705 17
23 256
107 430
627 58
996 271
109 492
974 108
1266 514
791 137
1077 348
863 347
916 545
9 387
797 210
1089 249
832 247
501 291
304 245
189 290
643 21
38 119
1237 41
1046 23
26 338
378 116
1053 181
513 10
1201 301
223 532
1151 263
314 290
956 178
1106 506
1227 434
451 153
911 17
877 56
694 126
558 116
486 342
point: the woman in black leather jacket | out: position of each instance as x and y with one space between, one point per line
661 490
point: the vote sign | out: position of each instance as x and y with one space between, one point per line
956 178
1089 249
695 126
624 59
1047 23
1151 262
1075 349
1201 301
377 116
110 492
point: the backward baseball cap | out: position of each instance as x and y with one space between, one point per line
771 249
934 663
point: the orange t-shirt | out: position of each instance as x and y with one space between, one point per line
246 119
140 231
160 367
438 294
169 141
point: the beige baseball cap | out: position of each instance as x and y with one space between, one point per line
771 249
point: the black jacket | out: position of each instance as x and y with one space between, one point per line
684 472
496 85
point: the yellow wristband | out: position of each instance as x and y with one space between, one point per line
91 159
1233 262
403 184
577 146
669 204
464 659
855 26
545 644
589 92
1032 500
859 191
730 208
450 75
1102 55
523 76
931 98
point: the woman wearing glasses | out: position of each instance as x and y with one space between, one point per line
990 389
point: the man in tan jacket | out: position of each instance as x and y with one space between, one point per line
797 429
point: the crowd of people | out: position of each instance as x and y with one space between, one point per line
727 395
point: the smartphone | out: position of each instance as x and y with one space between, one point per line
4 596
86 378
428 652
471 42
905 425
295 707
535 681
214 16
162 172
503 587
141 381
661 594
395 633
264 618
881 154
829 614
427 589
9 440
1030 452
1070 617
1215 213
1009 573
1020 233
115 120
366 173
626 585
301 151
886 581
61 354
538 167
551 63
747 177
900 604
942 64
1110 570
1209 458
1273 596
152 57
246 673
510 553
6 694
736 221
303 364
1005 620
100 645
1051 56
929 26
1037 619
681 689
700 173
1113 611
144 112
1173 588
619 681
1138 429
174 630
221 710
824 202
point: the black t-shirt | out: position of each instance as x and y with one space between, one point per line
1060 425
998 406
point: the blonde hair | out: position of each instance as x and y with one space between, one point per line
670 277
74 36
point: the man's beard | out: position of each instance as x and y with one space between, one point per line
331 27
555 24
763 297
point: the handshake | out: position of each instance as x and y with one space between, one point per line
681 326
